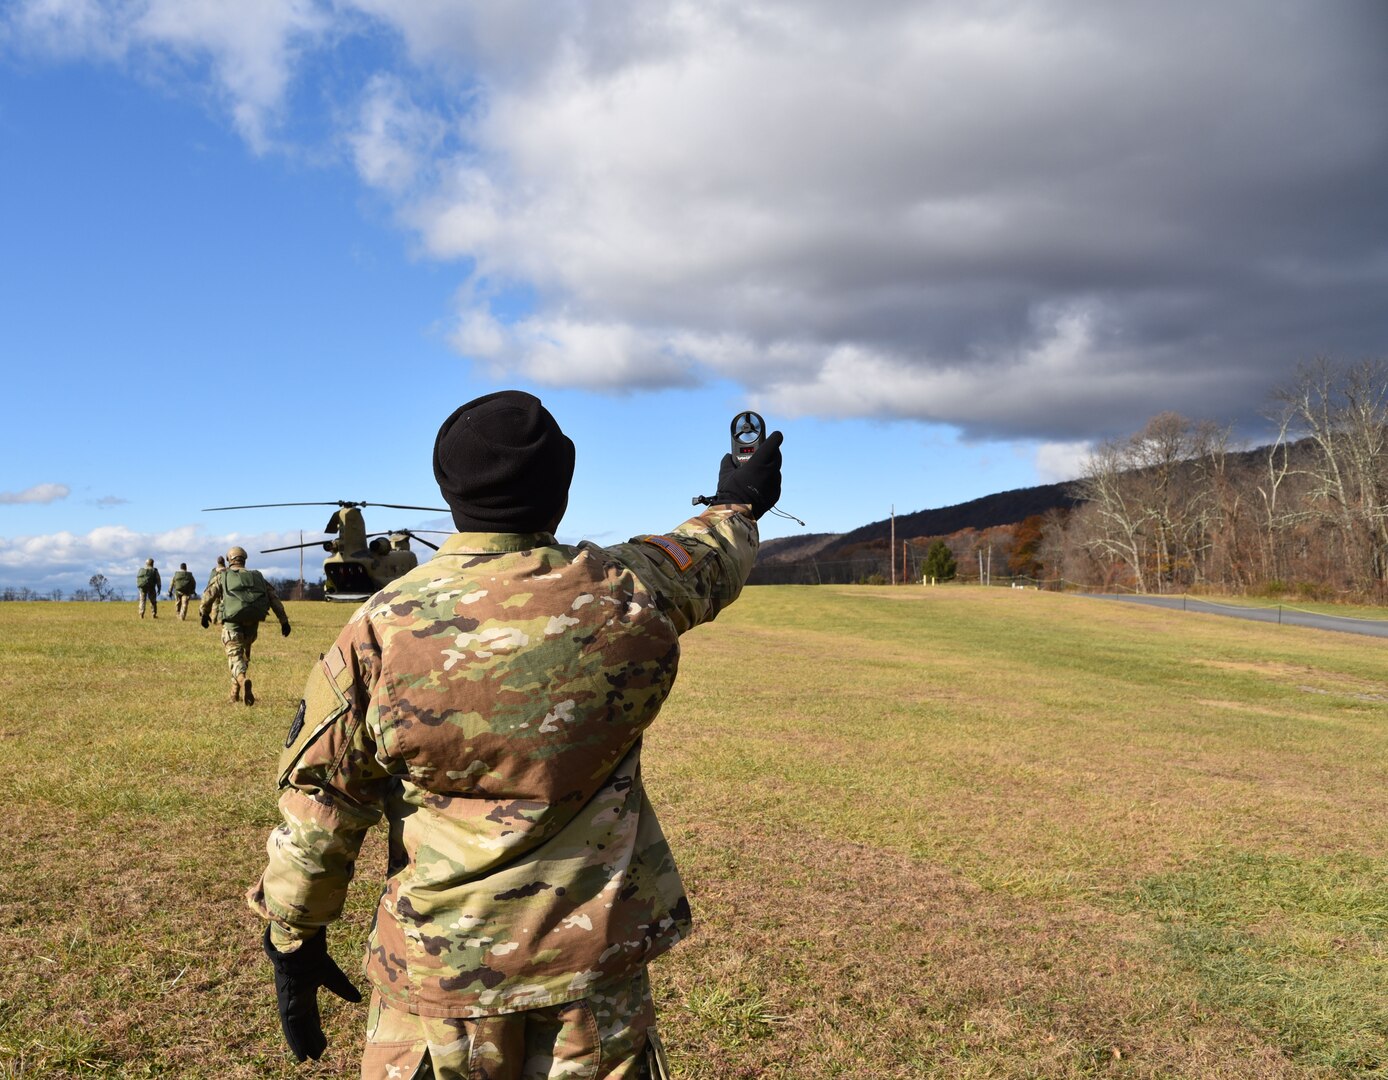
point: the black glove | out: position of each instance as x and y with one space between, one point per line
756 481
284 629
298 975
204 622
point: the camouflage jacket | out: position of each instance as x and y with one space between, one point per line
490 706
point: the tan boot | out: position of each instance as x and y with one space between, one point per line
235 690
250 697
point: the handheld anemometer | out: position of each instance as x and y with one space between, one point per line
748 431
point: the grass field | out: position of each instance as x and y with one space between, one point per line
927 833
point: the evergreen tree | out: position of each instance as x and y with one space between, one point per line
939 562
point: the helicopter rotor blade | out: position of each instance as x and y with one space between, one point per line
396 506
293 547
411 534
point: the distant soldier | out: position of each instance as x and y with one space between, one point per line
244 598
147 582
184 587
214 576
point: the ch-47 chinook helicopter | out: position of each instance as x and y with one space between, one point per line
357 565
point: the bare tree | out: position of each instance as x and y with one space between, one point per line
1345 414
101 588
1120 517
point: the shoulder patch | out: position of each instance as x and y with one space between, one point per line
322 704
672 550
297 725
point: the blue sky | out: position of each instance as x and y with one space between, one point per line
257 252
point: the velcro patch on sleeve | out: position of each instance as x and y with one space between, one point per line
672 550
323 702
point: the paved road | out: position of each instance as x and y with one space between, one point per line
1284 615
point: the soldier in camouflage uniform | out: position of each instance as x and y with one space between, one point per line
183 588
214 576
490 705
147 582
239 635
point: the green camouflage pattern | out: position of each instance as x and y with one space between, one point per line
490 705
601 1036
237 641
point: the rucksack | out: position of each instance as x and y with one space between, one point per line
144 577
182 581
245 597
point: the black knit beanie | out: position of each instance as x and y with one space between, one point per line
503 465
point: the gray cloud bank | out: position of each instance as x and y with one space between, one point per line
1038 220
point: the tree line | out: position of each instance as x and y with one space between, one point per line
1177 507
1173 508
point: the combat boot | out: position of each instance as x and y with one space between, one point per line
250 697
235 690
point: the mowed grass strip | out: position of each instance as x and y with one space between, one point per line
927 832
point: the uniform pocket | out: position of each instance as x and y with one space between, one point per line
397 1046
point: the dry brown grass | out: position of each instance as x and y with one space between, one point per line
957 834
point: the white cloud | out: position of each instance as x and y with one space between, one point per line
1060 461
251 46
39 493
395 139
67 560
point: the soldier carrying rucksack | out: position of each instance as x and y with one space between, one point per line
183 589
147 582
244 598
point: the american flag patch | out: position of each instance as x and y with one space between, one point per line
673 551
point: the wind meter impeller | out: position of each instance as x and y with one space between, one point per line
748 432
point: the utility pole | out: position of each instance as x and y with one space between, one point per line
891 549
301 564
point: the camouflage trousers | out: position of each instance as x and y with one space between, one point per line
181 602
238 641
601 1037
153 598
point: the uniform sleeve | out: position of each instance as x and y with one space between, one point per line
276 605
210 596
332 790
698 568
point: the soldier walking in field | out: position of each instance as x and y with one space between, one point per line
218 569
490 705
183 588
147 582
243 598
